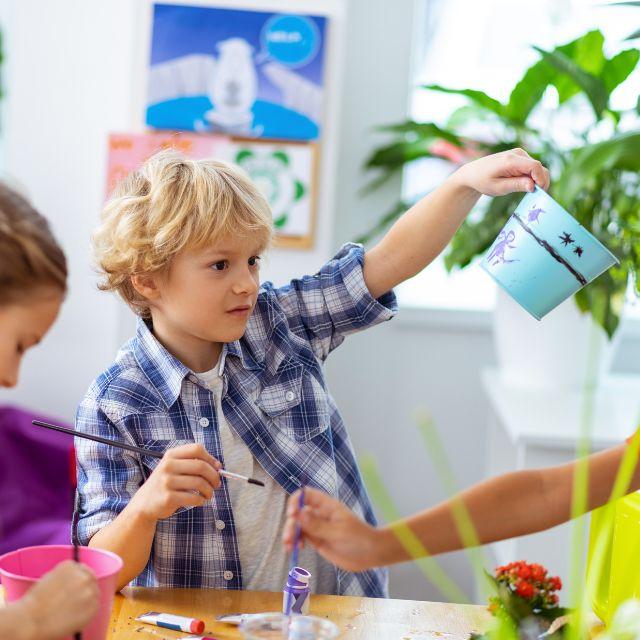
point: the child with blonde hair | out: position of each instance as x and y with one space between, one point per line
227 372
33 283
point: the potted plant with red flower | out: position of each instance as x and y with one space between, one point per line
526 599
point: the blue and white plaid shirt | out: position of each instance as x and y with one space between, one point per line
275 398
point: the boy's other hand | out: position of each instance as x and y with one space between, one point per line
337 533
187 476
503 173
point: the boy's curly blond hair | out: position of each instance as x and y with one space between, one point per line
173 203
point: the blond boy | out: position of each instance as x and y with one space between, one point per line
226 372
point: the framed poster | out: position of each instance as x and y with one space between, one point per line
240 72
285 172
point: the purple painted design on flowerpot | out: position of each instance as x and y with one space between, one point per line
504 242
534 214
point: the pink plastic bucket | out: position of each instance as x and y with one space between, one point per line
21 569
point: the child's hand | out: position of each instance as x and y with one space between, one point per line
60 604
337 533
502 173
186 477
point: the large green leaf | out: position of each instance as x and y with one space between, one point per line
529 90
617 69
479 97
587 52
593 86
620 152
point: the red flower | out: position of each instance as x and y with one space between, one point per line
555 584
524 571
525 590
538 572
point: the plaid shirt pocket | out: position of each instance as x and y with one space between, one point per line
295 403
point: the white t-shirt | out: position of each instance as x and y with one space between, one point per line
259 514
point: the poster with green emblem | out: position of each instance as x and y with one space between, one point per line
284 171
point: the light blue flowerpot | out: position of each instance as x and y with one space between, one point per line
543 255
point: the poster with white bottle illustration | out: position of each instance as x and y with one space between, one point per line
285 174
239 72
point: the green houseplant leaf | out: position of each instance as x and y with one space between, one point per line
587 53
621 151
619 68
593 86
528 92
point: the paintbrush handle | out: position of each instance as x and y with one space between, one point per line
76 558
89 436
134 449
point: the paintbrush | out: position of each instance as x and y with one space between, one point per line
296 543
76 558
134 449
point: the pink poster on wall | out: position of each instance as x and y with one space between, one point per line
127 151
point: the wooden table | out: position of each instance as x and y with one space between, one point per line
358 618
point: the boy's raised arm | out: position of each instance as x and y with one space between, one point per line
423 232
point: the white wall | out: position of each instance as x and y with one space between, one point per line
75 72
67 83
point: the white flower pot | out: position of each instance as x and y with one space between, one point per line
551 353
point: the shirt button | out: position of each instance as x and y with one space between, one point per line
203 422
228 575
220 525
289 396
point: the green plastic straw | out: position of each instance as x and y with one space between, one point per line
461 515
411 543
579 501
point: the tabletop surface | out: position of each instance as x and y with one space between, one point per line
359 618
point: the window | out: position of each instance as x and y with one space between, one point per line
487 45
